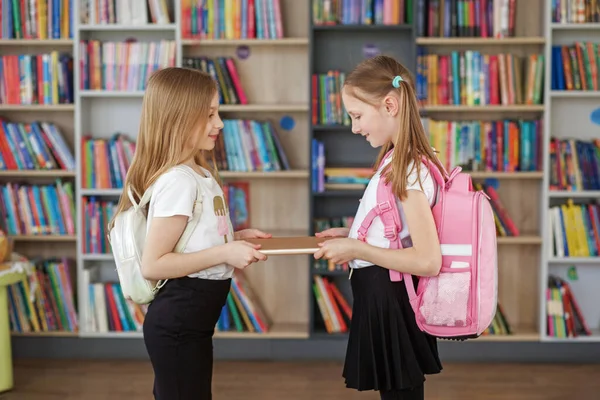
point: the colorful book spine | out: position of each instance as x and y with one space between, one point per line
466 18
250 145
45 301
242 311
499 325
575 229
45 78
122 66
321 224
564 318
334 309
473 78
37 19
33 146
124 12
224 71
232 19
96 213
105 162
237 197
327 106
37 209
504 145
505 225
317 164
574 164
361 12
575 67
575 11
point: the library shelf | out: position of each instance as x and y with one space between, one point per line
37 173
289 41
111 93
43 238
478 41
286 174
37 107
126 28
45 334
523 239
592 194
36 42
363 28
485 108
265 108
574 26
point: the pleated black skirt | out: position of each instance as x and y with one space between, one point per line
386 349
178 331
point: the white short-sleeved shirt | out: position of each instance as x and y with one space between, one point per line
375 234
174 193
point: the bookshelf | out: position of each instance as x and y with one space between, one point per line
568 312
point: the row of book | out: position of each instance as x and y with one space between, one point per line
466 18
243 311
237 198
122 66
37 209
228 19
45 301
40 19
250 145
360 12
45 78
575 229
504 145
321 224
124 12
499 325
575 11
505 226
105 162
33 146
474 78
224 71
564 316
327 105
334 310
574 164
575 67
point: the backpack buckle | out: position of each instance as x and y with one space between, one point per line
390 232
384 206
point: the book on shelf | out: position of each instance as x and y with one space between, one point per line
105 162
45 301
321 224
473 78
227 19
43 78
38 209
466 18
40 19
574 164
327 105
575 11
237 197
505 226
243 311
575 66
250 145
224 71
96 214
334 309
122 65
33 146
575 229
507 145
360 12
564 316
124 12
499 325
335 178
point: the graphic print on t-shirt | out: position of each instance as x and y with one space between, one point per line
221 213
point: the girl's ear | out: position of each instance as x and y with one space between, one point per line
390 103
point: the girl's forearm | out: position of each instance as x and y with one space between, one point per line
176 265
409 260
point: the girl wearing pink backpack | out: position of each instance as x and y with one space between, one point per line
387 351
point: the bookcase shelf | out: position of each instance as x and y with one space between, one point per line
479 41
246 42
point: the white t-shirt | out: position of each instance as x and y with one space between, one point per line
375 235
174 194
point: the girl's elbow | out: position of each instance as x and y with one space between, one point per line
148 272
432 265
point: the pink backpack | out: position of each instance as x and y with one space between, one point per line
460 302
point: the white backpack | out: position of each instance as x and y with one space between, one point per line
127 239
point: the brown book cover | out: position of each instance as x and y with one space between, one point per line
289 245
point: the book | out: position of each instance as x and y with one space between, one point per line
289 245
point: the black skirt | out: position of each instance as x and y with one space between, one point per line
178 331
386 349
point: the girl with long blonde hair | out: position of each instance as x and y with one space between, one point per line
179 126
386 349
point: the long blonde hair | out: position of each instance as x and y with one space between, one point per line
176 102
373 78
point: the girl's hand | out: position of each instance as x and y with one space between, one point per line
334 232
251 234
240 254
339 251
